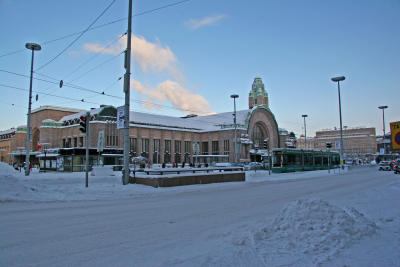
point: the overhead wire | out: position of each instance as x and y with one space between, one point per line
108 95
97 27
64 97
96 103
77 38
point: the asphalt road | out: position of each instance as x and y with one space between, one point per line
161 230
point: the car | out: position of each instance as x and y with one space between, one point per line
396 167
384 166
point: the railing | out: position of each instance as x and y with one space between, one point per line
183 170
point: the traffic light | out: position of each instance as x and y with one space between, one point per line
82 122
328 146
265 145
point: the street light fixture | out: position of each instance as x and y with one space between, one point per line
305 132
234 122
383 114
338 80
34 47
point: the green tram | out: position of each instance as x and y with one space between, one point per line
292 160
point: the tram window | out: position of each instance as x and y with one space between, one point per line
318 160
276 160
308 159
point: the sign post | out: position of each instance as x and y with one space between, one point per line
87 148
100 145
120 117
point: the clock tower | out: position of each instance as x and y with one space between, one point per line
258 96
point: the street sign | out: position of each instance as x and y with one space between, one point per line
100 142
337 144
120 117
395 132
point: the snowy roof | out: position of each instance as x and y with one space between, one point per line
56 108
9 131
80 113
199 123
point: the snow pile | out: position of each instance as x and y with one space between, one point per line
310 232
11 187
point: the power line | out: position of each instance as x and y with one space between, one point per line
97 66
97 27
105 94
79 36
90 102
39 92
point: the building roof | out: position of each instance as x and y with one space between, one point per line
199 123
56 108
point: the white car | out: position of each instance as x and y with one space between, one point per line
384 166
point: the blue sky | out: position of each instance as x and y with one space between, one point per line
192 56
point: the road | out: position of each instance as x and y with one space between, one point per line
161 230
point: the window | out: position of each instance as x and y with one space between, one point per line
133 146
81 141
167 151
156 150
145 147
215 147
204 148
187 147
187 151
178 150
75 141
257 137
64 143
69 142
226 147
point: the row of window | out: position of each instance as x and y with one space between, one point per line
187 146
145 145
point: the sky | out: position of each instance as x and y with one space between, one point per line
191 56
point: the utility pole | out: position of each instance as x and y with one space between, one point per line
33 47
87 149
127 78
234 122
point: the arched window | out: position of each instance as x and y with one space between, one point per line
258 136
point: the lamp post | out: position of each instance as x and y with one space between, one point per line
383 114
338 80
34 47
234 123
45 154
305 132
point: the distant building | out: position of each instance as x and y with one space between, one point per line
13 139
357 142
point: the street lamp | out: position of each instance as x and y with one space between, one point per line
234 122
338 80
45 154
34 47
305 132
383 114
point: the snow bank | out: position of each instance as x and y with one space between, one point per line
310 232
11 187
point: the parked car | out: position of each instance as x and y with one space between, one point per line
254 166
384 166
396 167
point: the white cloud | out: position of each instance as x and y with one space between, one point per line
149 56
180 97
157 58
207 21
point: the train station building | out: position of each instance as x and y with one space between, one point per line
57 140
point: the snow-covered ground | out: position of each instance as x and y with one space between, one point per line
350 218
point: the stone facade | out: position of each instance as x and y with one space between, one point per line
162 138
356 141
